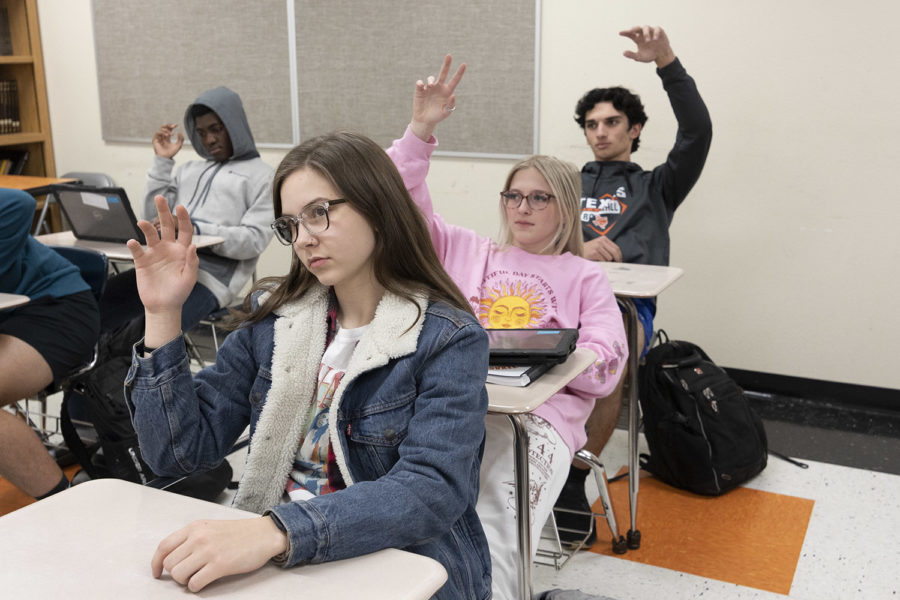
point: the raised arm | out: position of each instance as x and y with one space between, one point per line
688 155
434 100
166 272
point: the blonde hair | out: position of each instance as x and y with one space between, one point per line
564 180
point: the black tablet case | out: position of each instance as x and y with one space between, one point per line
115 223
531 346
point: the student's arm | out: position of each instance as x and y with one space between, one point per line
412 153
16 213
686 158
187 424
603 331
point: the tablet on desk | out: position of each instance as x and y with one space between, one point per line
531 346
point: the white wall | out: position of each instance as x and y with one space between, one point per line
788 239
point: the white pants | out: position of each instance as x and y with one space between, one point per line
548 463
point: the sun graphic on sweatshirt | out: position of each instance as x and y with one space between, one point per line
511 306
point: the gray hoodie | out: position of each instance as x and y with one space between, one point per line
230 199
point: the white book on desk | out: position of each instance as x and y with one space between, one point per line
517 376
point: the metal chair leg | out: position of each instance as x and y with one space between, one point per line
588 458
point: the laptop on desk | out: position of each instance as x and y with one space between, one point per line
98 214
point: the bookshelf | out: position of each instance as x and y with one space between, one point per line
20 34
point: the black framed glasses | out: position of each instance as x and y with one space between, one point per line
314 219
536 200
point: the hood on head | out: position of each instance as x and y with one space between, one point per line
228 106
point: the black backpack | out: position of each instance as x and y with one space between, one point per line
703 435
97 428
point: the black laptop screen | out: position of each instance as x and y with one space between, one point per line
101 214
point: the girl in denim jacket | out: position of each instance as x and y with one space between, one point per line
360 373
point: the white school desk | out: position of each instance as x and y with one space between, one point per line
12 300
635 281
113 250
96 540
515 402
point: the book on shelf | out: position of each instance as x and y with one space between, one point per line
9 107
6 48
12 162
517 376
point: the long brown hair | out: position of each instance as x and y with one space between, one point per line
404 260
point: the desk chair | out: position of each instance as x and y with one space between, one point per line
94 267
555 553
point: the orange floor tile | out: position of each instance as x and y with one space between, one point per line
747 537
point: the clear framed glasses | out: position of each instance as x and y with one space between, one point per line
314 219
536 200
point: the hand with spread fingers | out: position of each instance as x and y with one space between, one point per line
652 45
166 271
434 100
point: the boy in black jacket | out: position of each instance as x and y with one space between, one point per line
625 210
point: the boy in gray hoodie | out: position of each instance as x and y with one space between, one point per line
228 194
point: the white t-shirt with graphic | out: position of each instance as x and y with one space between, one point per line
309 477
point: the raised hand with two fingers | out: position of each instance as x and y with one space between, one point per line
434 100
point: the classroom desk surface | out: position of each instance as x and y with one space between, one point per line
96 540
640 281
508 399
113 250
36 186
12 300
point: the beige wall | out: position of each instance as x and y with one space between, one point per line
788 240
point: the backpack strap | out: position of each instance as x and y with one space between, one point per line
73 440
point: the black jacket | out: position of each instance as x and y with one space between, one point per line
634 207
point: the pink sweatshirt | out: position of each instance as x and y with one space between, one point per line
512 288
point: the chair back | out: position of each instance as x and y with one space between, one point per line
94 266
93 179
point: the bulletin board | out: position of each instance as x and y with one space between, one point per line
305 67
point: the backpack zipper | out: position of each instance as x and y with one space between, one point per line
708 447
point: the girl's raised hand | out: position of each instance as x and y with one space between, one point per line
434 100
166 268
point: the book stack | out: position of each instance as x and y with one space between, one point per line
12 162
518 376
9 107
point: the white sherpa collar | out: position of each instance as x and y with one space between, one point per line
300 335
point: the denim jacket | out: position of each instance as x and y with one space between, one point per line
406 426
